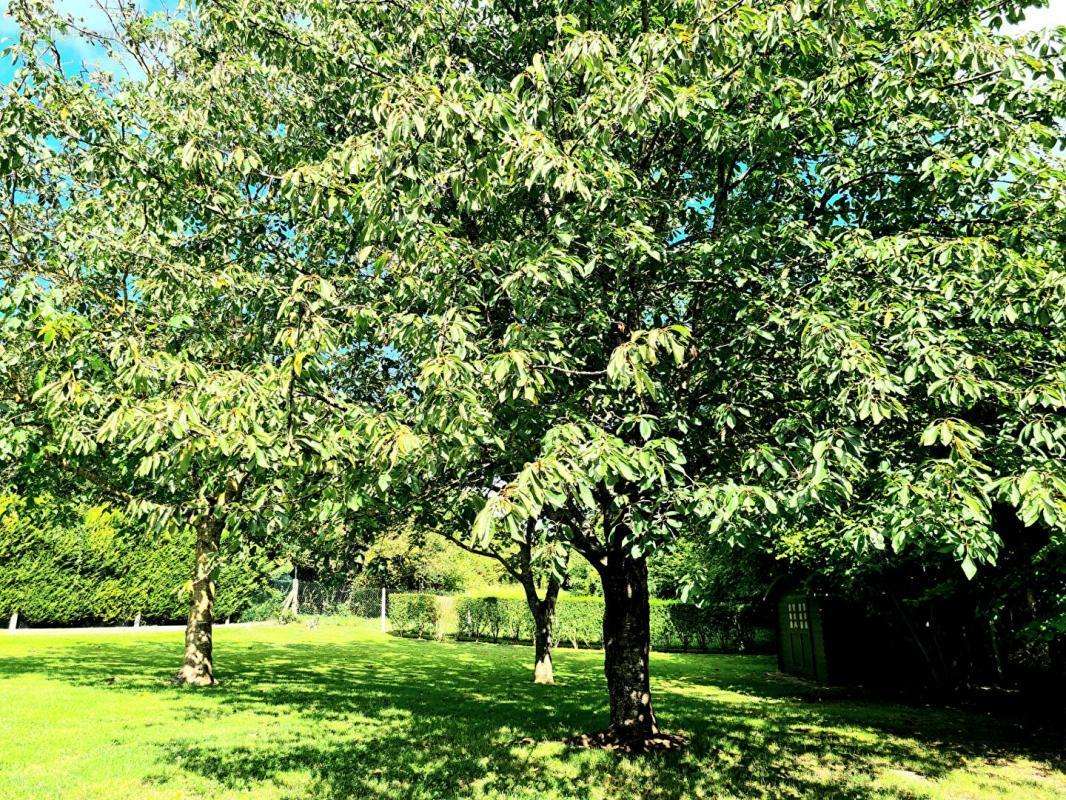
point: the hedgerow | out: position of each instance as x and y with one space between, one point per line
427 616
578 622
72 564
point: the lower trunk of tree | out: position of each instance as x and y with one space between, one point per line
626 644
198 667
544 635
542 669
291 604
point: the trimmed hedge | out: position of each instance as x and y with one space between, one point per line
578 622
66 564
427 616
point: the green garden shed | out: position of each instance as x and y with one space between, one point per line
828 639
802 637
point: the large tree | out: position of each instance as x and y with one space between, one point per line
158 340
729 260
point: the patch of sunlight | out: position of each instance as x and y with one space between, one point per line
831 775
1014 778
906 783
715 693
544 750
857 735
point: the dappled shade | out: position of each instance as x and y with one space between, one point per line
343 711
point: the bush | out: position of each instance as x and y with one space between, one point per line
482 618
409 560
68 563
265 606
426 616
579 622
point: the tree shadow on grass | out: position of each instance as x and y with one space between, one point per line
391 718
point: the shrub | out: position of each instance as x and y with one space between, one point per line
69 563
423 615
579 623
265 606
493 618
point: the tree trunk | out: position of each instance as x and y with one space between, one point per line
626 644
198 668
291 604
544 631
542 668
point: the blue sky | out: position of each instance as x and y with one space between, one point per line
75 52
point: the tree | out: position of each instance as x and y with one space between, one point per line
535 558
153 303
733 260
534 555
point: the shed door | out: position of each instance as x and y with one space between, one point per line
798 631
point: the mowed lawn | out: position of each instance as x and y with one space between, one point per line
343 711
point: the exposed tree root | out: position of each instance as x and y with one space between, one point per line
185 678
626 742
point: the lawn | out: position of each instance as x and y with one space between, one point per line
343 711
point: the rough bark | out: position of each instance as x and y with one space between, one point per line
544 632
198 667
626 644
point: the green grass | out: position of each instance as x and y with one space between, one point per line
343 711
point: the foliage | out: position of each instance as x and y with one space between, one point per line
70 563
409 560
579 622
264 606
876 340
1002 627
154 317
344 711
423 615
708 569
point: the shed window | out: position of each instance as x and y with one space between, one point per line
797 616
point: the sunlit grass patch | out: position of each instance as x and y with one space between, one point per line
344 711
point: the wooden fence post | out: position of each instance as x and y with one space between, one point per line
384 616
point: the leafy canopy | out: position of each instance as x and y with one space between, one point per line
645 264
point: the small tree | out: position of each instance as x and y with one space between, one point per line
535 559
158 335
